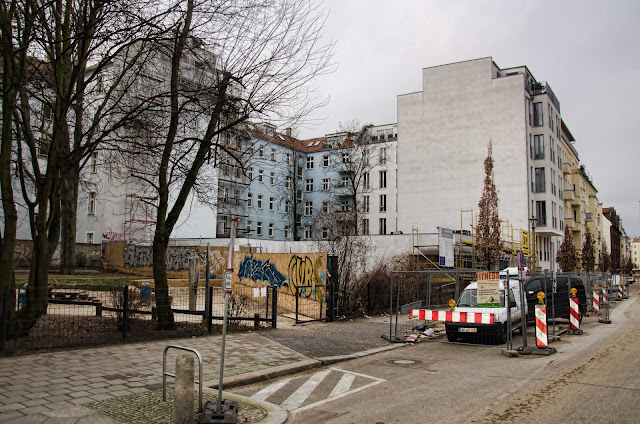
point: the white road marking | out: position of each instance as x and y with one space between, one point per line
300 395
376 381
270 389
343 385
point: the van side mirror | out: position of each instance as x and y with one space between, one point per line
512 303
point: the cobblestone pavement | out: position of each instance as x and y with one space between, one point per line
52 387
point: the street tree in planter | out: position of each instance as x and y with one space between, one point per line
588 252
567 257
489 242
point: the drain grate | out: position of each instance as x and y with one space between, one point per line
404 362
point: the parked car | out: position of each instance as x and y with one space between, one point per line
537 283
486 333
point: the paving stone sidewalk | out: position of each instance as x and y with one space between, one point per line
52 387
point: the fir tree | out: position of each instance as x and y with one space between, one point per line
605 260
588 253
567 257
489 243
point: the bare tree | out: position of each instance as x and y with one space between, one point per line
567 257
488 237
225 63
588 252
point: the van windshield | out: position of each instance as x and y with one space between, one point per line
469 297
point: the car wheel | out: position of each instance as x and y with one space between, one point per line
502 338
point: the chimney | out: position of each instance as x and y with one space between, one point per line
288 132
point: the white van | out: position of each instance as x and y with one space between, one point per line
486 333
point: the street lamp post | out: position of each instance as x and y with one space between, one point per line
533 220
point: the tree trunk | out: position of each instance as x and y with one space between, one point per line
69 213
163 303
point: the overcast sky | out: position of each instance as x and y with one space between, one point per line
588 51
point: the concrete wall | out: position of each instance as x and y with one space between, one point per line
444 133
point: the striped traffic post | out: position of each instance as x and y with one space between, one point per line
605 305
620 291
596 299
541 327
605 301
574 317
625 290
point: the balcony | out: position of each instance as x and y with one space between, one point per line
566 168
570 223
569 195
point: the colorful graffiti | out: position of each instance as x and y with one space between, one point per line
259 270
177 258
305 277
112 236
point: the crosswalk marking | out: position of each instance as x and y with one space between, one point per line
270 389
343 385
299 396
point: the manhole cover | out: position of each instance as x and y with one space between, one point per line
404 362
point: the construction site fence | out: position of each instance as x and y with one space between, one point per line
100 315
432 290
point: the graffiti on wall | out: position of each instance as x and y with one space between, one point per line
305 277
22 253
112 236
261 271
177 258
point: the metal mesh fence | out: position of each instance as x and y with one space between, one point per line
96 315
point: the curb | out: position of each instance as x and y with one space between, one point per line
266 374
275 414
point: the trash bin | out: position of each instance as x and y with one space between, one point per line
145 293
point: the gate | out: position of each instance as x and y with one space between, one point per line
318 302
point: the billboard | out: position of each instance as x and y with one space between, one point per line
445 247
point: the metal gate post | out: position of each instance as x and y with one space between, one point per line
125 312
391 305
297 305
429 289
210 310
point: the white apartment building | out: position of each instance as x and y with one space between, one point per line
445 131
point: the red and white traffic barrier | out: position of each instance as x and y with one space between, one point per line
574 318
449 316
596 302
604 296
620 291
541 326
625 293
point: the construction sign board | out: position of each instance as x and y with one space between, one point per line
488 290
445 247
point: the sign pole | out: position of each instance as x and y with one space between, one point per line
523 300
226 282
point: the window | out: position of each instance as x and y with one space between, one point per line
559 157
326 161
344 182
91 204
365 226
93 164
325 207
383 225
287 231
541 213
272 203
272 178
289 159
273 155
299 196
250 173
346 158
308 208
344 205
383 155
326 184
260 175
88 238
560 194
540 186
307 232
249 226
287 206
47 113
310 162
365 204
249 200
538 117
554 219
550 116
530 114
366 158
261 151
270 230
43 146
383 203
308 187
325 233
365 181
552 150
383 179
553 182
259 201
289 182
259 229
538 146
560 214
299 168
